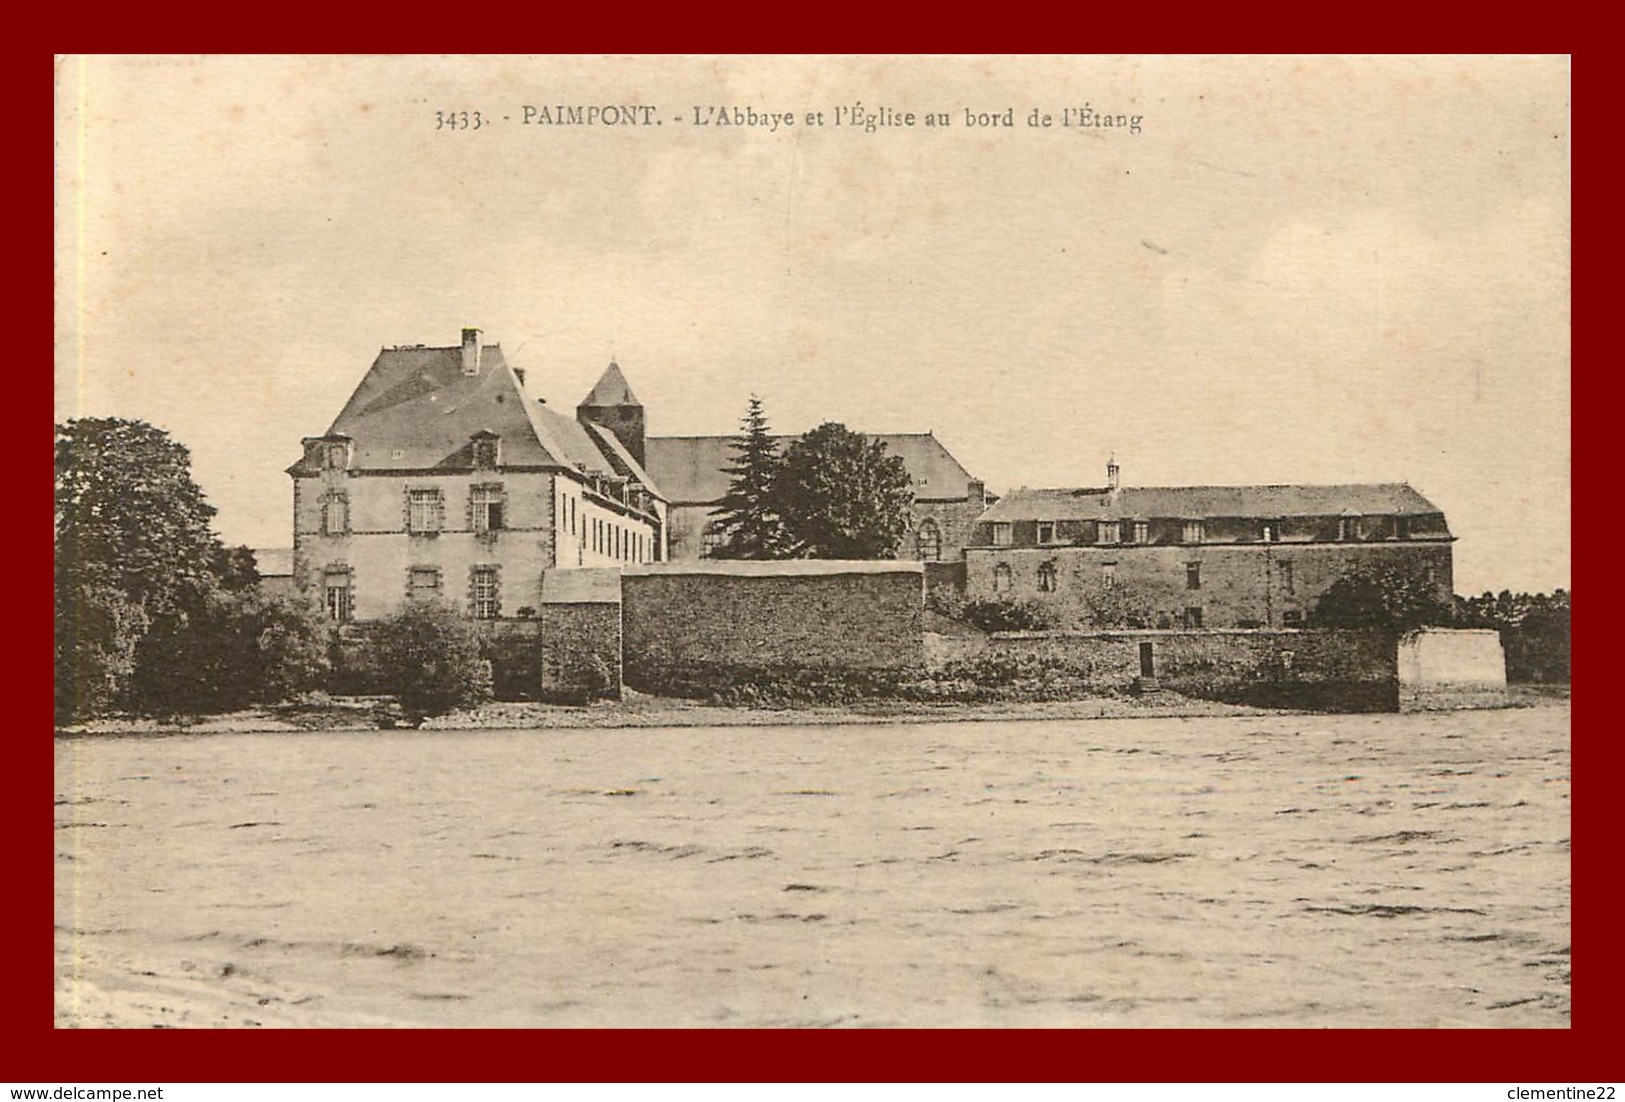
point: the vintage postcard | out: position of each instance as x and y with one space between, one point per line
1054 541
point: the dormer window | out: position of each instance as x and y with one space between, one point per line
487 450
1046 531
1108 531
336 456
1268 532
1142 532
1001 533
1402 528
1350 528
1191 532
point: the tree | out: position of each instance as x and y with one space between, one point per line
1115 606
840 496
748 516
433 658
136 562
1535 630
125 501
1393 598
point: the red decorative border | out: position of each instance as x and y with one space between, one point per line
41 1053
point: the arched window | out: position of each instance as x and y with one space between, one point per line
1046 577
928 541
1001 578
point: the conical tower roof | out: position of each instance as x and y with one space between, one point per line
612 389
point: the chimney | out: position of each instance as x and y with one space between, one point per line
471 351
976 492
1111 473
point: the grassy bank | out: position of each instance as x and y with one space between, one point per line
640 710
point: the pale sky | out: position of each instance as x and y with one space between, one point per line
1300 270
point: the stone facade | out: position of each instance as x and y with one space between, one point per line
1254 585
441 479
1201 556
772 615
579 643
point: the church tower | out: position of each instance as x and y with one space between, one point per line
613 405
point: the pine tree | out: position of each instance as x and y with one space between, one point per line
747 517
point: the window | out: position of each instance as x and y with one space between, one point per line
1108 531
1046 531
1193 575
711 539
1267 531
336 457
928 541
1108 575
425 511
1192 532
1001 533
572 516
486 505
422 582
483 593
487 452
1402 528
1292 618
1046 577
1288 582
337 595
1001 578
1142 531
1193 616
1350 528
335 515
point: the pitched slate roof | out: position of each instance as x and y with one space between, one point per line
612 389
690 469
774 568
1200 502
416 410
622 460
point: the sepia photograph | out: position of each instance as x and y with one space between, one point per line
787 542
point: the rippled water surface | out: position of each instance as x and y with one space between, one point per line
1270 871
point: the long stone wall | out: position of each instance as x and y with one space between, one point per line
1334 670
838 616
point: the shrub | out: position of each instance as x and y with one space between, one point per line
1004 614
769 686
432 659
293 646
